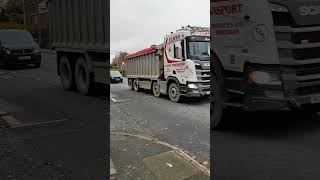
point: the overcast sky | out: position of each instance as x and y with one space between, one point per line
137 24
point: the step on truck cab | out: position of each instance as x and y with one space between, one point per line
178 67
265 55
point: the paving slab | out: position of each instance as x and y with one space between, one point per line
138 158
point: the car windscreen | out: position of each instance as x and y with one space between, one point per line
115 73
14 37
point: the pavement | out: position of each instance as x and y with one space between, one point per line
49 133
137 157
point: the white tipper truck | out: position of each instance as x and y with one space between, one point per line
265 56
178 67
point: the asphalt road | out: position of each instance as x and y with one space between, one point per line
71 141
185 125
267 146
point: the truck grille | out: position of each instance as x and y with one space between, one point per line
305 54
203 75
312 37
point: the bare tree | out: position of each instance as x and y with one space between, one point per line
119 61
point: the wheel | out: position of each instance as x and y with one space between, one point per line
217 94
156 89
82 76
136 85
66 75
37 65
130 84
174 92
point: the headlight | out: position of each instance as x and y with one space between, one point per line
278 8
265 78
193 86
36 51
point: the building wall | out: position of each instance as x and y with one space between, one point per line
37 15
33 9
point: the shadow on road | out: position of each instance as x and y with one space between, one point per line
18 68
270 124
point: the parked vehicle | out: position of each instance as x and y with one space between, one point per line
17 47
80 38
265 56
116 77
178 67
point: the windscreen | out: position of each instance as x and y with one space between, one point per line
14 37
199 50
115 73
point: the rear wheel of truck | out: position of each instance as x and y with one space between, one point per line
217 95
82 76
156 89
136 85
66 75
130 84
174 92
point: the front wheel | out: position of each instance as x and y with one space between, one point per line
174 92
217 95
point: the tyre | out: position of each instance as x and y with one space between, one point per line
82 76
130 84
156 89
174 92
136 85
66 74
217 94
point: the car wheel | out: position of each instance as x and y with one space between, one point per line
174 92
66 74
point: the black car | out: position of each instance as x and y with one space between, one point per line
17 47
116 77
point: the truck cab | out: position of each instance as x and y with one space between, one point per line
265 55
186 55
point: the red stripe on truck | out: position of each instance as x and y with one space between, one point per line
142 52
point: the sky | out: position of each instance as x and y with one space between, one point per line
138 24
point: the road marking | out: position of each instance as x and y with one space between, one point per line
37 124
112 168
115 100
11 121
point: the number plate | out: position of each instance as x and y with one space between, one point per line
24 57
315 99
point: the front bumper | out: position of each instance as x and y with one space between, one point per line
203 90
10 60
116 80
275 100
